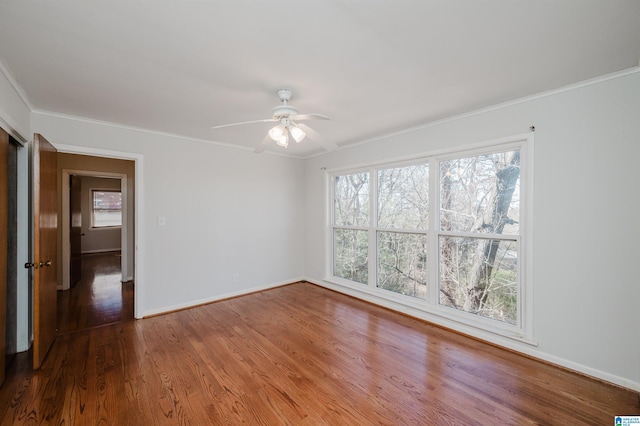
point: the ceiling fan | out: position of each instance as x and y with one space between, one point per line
289 126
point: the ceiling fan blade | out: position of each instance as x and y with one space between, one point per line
310 117
262 145
327 145
245 122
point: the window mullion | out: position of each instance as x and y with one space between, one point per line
373 224
331 240
402 230
484 235
351 227
433 253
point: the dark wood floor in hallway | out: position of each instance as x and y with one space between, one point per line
99 298
297 354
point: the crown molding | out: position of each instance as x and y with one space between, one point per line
8 74
563 89
5 119
149 131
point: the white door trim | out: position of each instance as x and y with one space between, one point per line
138 274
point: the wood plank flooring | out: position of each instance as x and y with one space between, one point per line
296 355
99 298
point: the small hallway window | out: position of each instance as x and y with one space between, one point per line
106 208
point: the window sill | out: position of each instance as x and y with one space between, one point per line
105 228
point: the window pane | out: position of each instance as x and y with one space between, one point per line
402 263
481 194
350 255
351 204
479 276
403 197
107 209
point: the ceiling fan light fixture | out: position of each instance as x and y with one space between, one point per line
297 133
286 128
277 132
283 141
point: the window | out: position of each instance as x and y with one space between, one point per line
443 233
351 220
478 236
401 230
106 208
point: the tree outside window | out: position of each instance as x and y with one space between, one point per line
383 215
351 220
479 234
403 216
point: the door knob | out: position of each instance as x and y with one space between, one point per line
45 263
31 265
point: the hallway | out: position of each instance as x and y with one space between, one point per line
100 298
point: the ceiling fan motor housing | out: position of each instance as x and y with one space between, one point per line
284 111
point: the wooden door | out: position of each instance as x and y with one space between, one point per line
75 228
4 209
45 234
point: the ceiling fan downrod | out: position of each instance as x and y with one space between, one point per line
284 110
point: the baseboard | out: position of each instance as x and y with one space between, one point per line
525 350
217 298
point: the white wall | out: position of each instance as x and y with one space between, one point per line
227 211
586 227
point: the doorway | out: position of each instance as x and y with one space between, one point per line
96 239
9 250
111 266
99 290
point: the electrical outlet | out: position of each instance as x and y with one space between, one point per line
235 278
162 221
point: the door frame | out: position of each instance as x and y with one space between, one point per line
124 229
138 263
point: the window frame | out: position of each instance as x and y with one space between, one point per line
93 227
333 227
376 230
522 330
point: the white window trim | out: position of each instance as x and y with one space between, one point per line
523 330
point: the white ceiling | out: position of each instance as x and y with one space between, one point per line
373 66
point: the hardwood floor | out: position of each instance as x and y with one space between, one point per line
297 354
99 298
